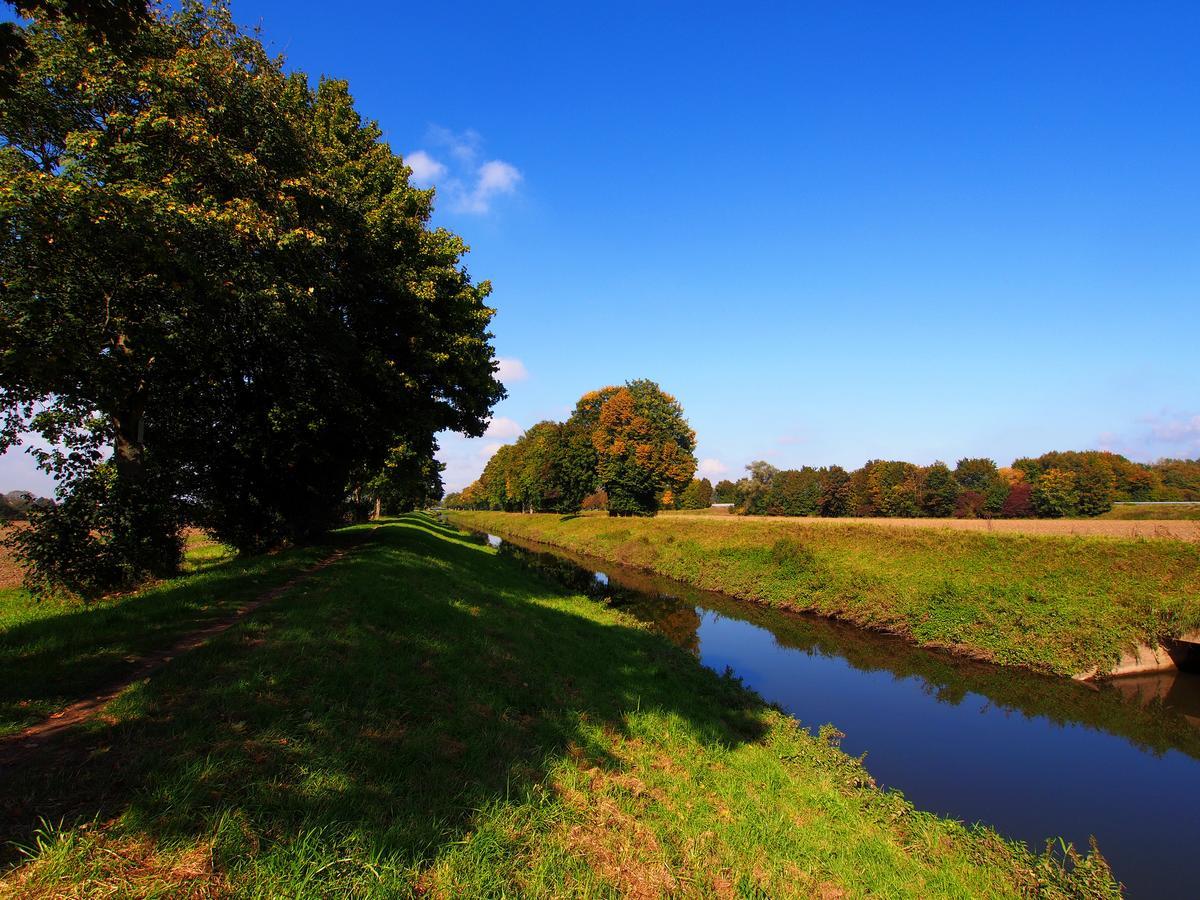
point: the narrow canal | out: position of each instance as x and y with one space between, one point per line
1030 755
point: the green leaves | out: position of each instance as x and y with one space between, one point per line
229 271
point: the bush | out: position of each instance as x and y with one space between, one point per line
105 536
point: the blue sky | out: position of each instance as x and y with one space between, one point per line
834 231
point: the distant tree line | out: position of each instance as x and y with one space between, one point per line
223 303
16 505
625 449
1054 485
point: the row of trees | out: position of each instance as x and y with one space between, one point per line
1053 485
625 449
222 299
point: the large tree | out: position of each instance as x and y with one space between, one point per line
644 447
223 275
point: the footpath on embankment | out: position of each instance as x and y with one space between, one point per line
1078 606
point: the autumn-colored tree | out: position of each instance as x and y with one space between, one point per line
969 505
644 447
1095 484
1055 494
894 487
835 491
1019 502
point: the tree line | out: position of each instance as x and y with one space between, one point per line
626 449
1053 485
223 303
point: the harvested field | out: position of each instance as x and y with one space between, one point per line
1179 530
10 571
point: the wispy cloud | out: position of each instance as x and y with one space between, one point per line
712 469
465 457
1165 433
469 183
511 369
425 169
503 429
1178 431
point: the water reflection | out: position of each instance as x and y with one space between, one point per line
1033 756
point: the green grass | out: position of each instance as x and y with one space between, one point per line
1056 604
428 718
1170 511
54 651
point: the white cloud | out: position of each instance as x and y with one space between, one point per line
511 369
503 429
425 169
492 179
465 457
468 185
1166 433
711 469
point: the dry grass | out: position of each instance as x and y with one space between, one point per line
1118 528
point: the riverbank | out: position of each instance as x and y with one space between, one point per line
424 717
1063 605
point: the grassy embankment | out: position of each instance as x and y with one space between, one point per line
1057 604
425 717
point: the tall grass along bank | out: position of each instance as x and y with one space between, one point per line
427 718
1057 604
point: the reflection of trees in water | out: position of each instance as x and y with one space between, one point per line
1158 712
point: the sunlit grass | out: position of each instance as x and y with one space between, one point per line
1060 604
428 718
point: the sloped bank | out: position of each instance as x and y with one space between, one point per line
1072 606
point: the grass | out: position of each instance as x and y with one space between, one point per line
428 718
1063 605
1170 512
54 651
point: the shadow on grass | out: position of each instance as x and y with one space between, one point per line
75 650
382 703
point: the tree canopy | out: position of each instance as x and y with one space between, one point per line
223 273
629 445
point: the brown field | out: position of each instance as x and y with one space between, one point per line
201 551
1118 528
10 572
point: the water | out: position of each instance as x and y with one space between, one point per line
1033 756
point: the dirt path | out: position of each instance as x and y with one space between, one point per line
1180 530
19 747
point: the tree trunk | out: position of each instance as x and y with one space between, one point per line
378 509
129 451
